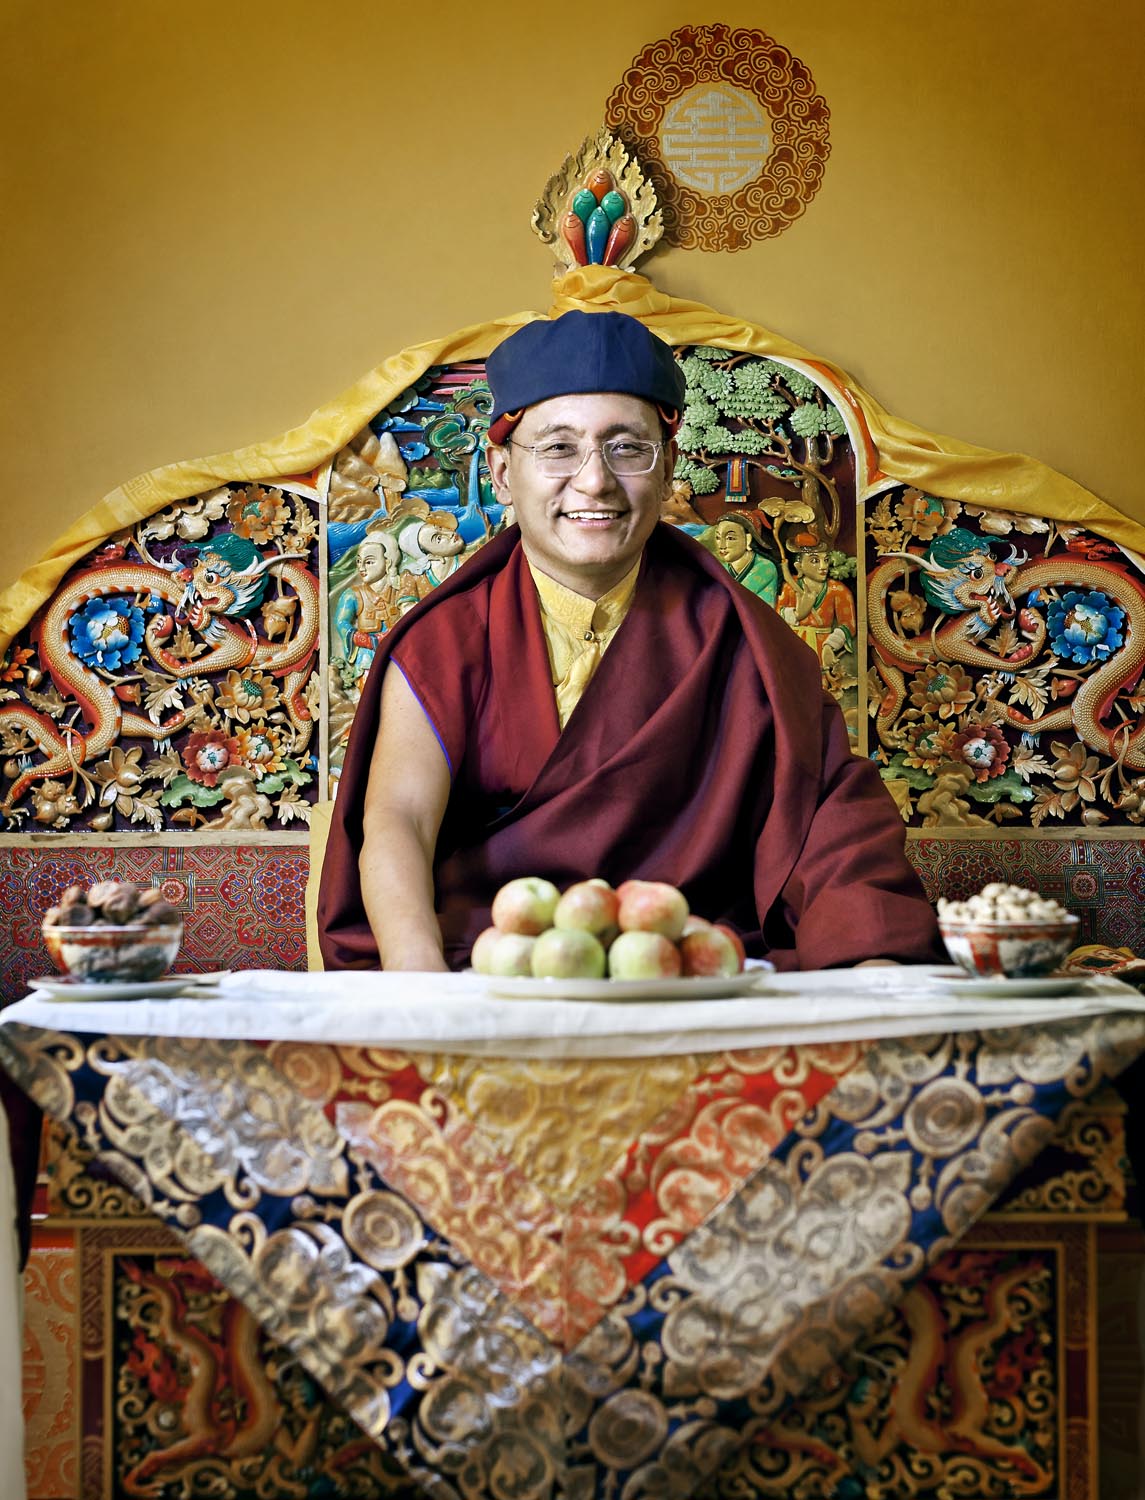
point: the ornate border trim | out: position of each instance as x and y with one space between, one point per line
752 62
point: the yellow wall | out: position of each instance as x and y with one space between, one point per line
218 213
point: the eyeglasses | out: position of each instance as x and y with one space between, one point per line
561 459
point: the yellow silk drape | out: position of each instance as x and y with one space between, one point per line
940 465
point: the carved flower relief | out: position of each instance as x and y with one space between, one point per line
119 777
983 748
14 661
929 744
909 610
260 749
278 616
54 802
1074 772
247 695
259 515
925 516
208 753
943 688
1131 801
107 633
1085 627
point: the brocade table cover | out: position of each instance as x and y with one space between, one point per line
542 1274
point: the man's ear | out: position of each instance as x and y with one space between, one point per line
498 462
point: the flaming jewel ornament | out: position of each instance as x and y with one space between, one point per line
599 209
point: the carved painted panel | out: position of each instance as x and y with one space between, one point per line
410 499
766 480
1005 661
170 682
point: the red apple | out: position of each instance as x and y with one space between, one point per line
567 954
737 941
525 905
695 924
511 955
652 906
709 952
640 954
588 906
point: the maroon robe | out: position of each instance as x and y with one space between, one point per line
704 752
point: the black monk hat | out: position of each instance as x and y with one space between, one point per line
578 353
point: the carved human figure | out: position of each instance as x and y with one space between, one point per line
369 607
819 608
431 551
739 548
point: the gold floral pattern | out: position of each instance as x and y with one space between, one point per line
563 1122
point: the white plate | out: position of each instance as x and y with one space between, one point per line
63 987
614 990
1039 988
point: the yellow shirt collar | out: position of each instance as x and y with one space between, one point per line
578 614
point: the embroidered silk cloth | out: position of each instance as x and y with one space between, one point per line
559 1276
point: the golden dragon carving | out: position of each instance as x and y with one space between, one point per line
205 596
986 591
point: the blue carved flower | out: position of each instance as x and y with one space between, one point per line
107 633
1085 627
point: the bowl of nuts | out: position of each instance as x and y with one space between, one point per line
113 933
1006 932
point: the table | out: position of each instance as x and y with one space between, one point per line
568 1249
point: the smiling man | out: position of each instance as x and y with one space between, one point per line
593 695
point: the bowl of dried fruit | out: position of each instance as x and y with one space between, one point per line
113 933
1007 932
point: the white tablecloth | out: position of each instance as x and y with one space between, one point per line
455 1012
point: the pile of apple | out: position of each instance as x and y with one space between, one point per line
640 930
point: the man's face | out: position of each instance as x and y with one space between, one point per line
586 530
